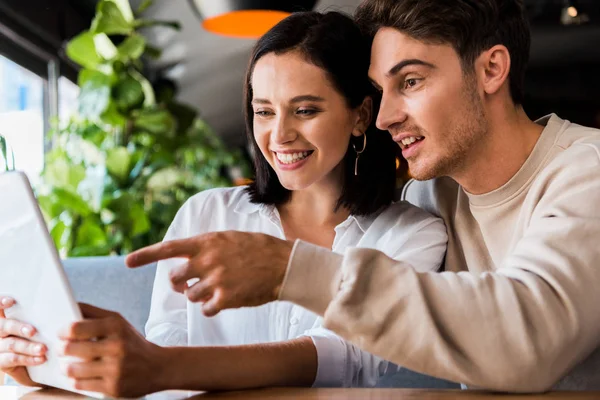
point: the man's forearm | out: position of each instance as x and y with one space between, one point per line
290 363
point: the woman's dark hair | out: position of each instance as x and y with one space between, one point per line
333 42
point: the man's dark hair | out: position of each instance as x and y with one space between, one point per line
469 26
334 43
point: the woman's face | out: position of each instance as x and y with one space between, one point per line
301 123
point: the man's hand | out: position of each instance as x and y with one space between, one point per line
235 269
113 358
17 351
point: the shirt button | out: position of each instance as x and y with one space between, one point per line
294 321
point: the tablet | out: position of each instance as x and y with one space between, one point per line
31 272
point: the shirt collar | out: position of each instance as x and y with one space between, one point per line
363 222
246 207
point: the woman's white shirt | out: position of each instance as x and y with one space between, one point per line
402 231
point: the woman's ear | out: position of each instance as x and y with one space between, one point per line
363 119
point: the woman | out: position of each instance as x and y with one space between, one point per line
324 174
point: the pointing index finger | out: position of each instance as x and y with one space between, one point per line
185 248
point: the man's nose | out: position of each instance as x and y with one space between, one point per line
391 111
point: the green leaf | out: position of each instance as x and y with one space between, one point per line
8 157
94 96
139 219
82 50
127 93
147 23
71 201
149 98
90 233
118 163
113 117
62 174
50 208
113 17
132 48
153 52
156 121
165 179
139 160
185 115
145 4
61 233
105 47
90 251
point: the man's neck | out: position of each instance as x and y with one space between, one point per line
511 138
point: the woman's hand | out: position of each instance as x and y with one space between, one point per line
17 351
111 357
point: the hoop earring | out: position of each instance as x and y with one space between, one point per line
358 153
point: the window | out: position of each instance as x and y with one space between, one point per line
22 116
67 99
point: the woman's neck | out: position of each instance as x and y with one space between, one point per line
315 206
309 215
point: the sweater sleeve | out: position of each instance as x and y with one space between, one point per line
519 328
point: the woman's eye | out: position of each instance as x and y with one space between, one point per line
261 113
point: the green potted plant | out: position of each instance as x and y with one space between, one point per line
125 163
7 159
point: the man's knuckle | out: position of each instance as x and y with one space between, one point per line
116 347
211 258
114 388
114 368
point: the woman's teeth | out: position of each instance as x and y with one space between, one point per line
290 158
410 140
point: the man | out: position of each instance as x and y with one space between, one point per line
516 309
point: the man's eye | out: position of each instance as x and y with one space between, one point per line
306 111
410 83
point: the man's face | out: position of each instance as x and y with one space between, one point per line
429 106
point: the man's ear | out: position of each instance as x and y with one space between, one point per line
493 68
364 117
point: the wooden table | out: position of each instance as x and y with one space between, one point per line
14 393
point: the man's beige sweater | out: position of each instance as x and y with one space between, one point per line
518 306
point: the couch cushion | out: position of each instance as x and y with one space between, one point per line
106 282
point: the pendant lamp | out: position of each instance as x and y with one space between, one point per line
245 18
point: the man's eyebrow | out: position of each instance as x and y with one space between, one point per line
404 63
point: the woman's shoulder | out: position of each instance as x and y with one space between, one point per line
226 198
408 233
217 209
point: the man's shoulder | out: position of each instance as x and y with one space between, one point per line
434 195
577 152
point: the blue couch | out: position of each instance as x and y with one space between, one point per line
106 282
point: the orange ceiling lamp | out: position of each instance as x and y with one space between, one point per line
245 18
